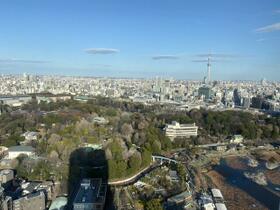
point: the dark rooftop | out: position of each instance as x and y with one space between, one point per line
89 191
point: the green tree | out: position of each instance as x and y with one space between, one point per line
13 140
153 204
146 157
134 163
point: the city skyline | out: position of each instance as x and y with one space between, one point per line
141 39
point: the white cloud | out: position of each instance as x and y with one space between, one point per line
260 40
218 55
165 57
101 51
269 28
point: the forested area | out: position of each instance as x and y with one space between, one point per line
133 132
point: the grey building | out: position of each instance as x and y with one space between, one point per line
206 92
246 102
6 175
5 201
2 196
91 195
59 203
237 97
31 201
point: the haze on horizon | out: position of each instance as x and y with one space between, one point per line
141 38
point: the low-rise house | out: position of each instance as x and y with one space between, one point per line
221 147
5 201
208 206
35 200
59 203
6 176
30 136
93 146
180 198
219 199
15 101
6 163
206 202
217 195
33 186
100 120
236 139
3 151
173 175
220 206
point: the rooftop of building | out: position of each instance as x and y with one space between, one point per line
2 148
59 203
35 194
31 195
29 187
177 124
220 206
216 193
30 133
6 171
180 197
21 148
89 191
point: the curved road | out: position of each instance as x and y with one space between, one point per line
134 178
140 174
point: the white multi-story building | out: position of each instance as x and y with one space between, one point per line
180 130
15 151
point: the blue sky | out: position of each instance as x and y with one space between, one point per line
141 38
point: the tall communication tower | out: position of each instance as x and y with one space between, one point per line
208 70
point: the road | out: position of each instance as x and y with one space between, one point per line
134 178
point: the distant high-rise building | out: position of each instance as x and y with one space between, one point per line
206 92
237 97
204 80
246 102
257 102
263 81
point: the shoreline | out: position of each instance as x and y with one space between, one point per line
236 198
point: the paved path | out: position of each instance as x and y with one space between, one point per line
134 178
143 172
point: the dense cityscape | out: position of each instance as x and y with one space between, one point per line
159 140
182 94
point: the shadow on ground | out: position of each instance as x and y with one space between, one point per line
88 163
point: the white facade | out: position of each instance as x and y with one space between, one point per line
221 206
237 139
6 175
15 154
209 206
180 130
30 135
217 193
100 120
15 151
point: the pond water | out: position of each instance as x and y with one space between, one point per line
236 178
